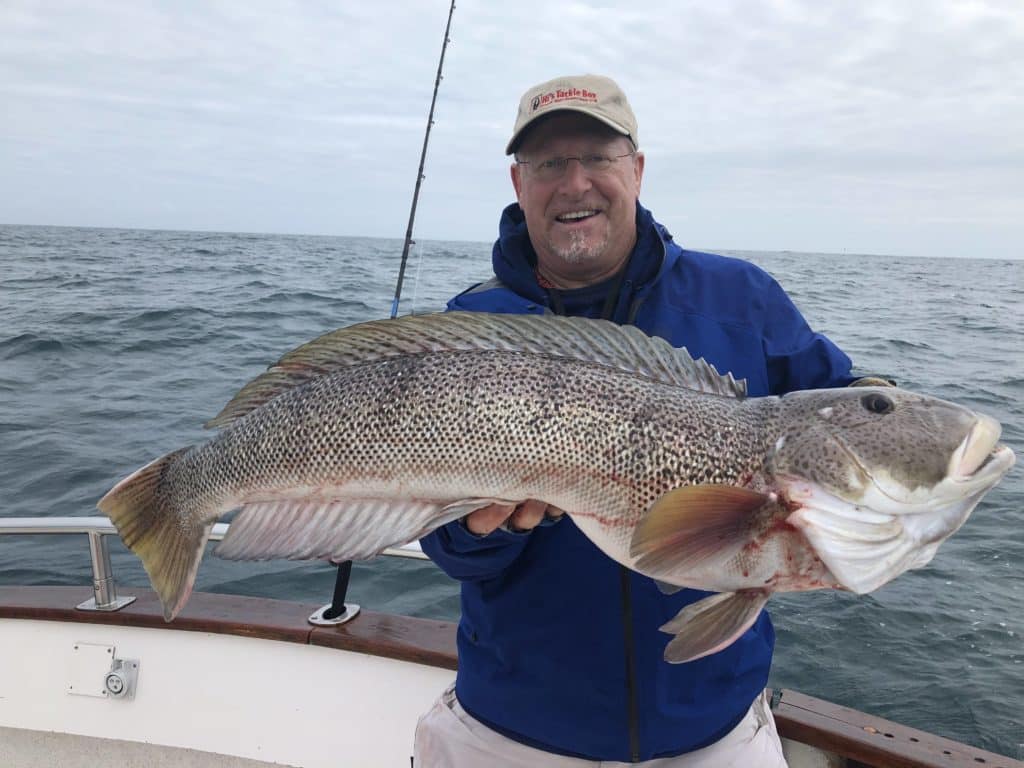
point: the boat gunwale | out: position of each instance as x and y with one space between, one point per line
860 737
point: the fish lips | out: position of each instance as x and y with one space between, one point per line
980 454
977 464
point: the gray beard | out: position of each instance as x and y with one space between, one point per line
578 252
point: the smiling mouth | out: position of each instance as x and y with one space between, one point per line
576 216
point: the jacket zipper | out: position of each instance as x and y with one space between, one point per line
627 628
633 717
608 311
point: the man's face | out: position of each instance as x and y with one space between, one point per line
574 249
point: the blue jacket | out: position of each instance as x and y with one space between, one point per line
558 644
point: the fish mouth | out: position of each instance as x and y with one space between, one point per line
868 541
980 454
977 464
995 463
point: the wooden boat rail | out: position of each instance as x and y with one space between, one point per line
863 739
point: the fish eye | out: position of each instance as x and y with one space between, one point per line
877 403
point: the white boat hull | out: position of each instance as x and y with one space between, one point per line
235 697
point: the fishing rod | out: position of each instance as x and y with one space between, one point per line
338 611
419 174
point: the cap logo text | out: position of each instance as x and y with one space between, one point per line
562 94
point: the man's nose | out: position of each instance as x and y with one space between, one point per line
575 177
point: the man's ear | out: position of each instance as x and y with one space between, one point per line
638 169
517 180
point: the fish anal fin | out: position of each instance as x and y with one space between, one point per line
693 527
712 624
463 507
331 529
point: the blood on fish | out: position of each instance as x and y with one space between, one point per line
781 525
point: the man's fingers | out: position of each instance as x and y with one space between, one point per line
554 512
527 515
521 517
486 519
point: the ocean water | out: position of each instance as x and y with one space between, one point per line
115 346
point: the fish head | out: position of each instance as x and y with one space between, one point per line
878 477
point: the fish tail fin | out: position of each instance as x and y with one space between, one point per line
712 624
169 543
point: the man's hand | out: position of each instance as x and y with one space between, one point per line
872 381
520 517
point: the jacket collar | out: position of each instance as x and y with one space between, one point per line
514 260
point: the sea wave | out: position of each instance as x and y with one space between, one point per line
118 344
28 344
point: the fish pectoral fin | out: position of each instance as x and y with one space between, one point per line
712 624
696 526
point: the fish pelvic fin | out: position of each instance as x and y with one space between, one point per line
594 341
667 589
693 527
170 545
712 624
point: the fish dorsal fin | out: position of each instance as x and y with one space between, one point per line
596 341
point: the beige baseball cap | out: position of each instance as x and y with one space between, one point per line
592 95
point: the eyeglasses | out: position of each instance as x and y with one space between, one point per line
553 168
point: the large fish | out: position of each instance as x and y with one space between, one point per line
374 435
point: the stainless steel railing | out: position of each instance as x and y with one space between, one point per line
104 588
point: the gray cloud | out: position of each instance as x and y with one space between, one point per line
869 126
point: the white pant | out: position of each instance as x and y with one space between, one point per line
449 737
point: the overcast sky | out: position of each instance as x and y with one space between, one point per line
863 127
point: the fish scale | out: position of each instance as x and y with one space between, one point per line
373 436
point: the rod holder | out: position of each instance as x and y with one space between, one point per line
104 589
338 611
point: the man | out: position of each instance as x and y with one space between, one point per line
560 657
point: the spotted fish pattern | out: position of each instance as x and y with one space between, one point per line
374 435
